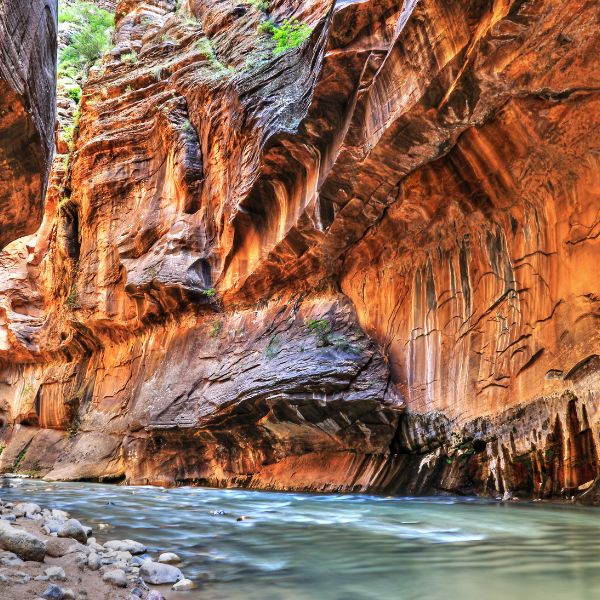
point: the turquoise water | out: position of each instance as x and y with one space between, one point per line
345 547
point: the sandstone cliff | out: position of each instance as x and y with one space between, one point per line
27 108
367 262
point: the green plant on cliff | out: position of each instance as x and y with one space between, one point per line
215 328
290 34
274 347
321 328
262 5
129 58
92 27
19 458
210 292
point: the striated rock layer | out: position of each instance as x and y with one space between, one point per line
369 262
27 109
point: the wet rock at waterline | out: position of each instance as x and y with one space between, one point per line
159 573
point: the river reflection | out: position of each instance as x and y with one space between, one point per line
344 547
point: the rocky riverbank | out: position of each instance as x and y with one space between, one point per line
47 554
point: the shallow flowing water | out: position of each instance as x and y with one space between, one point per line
344 547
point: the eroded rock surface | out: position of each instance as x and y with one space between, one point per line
27 108
365 263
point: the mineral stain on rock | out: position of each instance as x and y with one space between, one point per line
419 178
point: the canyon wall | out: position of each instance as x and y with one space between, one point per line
27 109
365 263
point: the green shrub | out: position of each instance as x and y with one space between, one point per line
260 4
321 328
290 34
210 292
90 41
74 92
129 57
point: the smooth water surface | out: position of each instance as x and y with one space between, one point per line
344 547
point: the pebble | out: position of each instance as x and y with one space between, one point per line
94 562
169 557
126 546
53 592
155 595
56 573
116 577
10 559
183 585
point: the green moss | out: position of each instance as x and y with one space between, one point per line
215 328
274 347
20 458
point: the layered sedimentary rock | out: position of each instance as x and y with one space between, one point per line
27 108
368 262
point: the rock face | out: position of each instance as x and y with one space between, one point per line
364 263
27 108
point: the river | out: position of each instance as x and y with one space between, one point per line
344 547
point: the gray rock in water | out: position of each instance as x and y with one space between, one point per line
53 592
169 558
23 544
184 585
155 595
125 546
158 573
61 515
56 573
115 577
73 529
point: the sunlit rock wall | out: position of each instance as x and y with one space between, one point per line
418 179
27 108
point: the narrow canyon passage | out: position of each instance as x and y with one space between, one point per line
315 246
299 299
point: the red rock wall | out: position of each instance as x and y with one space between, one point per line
27 109
422 172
